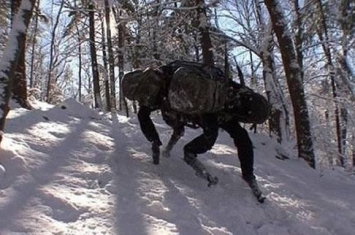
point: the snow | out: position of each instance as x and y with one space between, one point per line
68 169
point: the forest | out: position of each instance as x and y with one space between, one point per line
299 53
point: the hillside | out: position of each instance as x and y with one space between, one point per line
67 169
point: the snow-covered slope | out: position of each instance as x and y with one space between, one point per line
68 170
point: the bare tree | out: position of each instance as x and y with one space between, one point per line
121 30
33 46
203 26
9 62
111 61
121 39
52 51
254 36
80 62
19 88
94 65
294 82
324 38
106 65
279 117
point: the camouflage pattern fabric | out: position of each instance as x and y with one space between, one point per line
247 106
143 86
196 90
130 83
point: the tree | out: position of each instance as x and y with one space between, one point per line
93 53
34 41
52 57
3 23
203 27
324 38
120 55
9 62
253 34
80 61
111 60
294 82
105 66
19 87
279 117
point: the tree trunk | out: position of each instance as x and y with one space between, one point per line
347 24
105 60
205 39
8 65
34 40
94 66
19 88
120 55
299 37
51 54
294 82
154 29
111 60
279 116
326 48
80 63
279 123
121 64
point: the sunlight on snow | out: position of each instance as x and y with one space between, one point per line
223 149
76 172
292 206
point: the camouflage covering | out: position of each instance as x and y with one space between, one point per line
130 83
143 86
247 106
196 89
215 72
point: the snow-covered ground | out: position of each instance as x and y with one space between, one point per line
68 170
